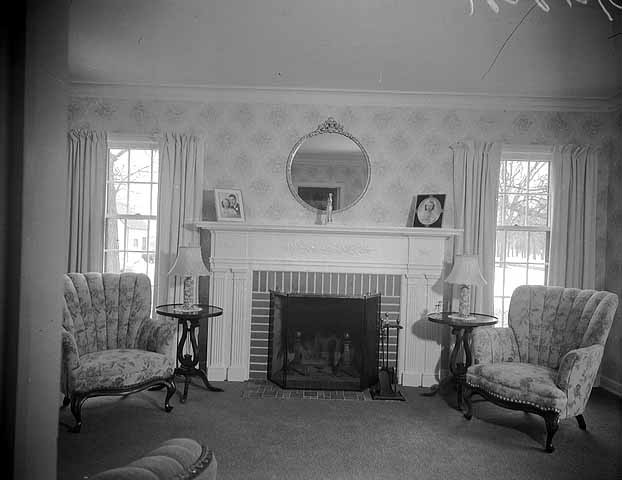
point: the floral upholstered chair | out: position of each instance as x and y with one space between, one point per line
547 359
110 345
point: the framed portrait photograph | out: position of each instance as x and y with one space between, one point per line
429 210
229 206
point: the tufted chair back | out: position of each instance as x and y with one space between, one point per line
548 322
104 311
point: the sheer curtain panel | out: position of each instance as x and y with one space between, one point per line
573 216
182 160
86 183
476 183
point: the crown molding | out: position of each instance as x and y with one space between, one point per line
240 94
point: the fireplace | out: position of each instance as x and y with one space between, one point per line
323 342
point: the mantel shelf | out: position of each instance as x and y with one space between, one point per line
332 229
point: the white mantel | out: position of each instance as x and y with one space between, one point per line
235 250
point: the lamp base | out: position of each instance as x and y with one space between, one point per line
188 305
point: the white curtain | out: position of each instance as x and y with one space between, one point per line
476 183
179 207
86 184
573 216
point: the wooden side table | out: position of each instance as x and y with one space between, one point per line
461 328
190 321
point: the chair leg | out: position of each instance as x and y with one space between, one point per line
467 393
551 419
581 422
76 409
170 390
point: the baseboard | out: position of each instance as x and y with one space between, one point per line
420 379
611 385
217 374
237 374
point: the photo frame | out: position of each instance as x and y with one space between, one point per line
429 209
229 205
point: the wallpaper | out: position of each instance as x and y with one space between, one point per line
248 145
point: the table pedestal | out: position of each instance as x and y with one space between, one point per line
188 363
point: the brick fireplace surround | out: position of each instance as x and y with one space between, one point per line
404 264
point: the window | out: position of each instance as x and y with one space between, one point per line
523 223
131 208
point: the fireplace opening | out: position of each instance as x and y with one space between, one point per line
323 342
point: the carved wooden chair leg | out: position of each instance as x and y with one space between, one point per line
76 409
467 393
581 422
551 419
170 390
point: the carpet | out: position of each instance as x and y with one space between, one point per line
421 438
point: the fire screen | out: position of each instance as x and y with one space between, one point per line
323 342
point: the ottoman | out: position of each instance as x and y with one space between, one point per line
181 458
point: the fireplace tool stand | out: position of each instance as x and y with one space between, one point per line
387 386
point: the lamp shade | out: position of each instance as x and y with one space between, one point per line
188 263
466 271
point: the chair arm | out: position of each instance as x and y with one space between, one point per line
492 345
70 356
157 335
576 375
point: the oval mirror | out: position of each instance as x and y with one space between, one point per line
328 160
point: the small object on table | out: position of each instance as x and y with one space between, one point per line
190 320
465 272
461 327
386 388
188 264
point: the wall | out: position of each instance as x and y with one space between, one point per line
612 363
41 256
249 143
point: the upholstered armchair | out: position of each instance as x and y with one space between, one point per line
110 345
547 359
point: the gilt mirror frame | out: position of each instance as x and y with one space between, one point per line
330 125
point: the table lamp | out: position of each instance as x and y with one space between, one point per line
188 264
466 272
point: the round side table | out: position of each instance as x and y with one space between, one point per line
461 328
190 321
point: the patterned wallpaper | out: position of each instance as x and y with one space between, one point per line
249 143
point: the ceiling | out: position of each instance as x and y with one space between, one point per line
427 46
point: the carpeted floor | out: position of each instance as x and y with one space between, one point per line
299 439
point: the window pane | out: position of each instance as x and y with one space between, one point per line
115 234
117 165
111 262
156 163
535 274
516 176
539 177
514 213
502 177
516 246
515 276
498 280
154 199
500 312
537 210
117 199
137 234
140 165
153 232
537 247
500 246
140 199
135 263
